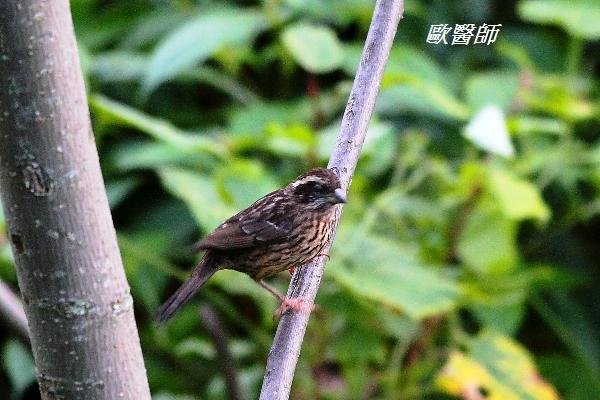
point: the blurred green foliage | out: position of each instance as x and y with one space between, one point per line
466 262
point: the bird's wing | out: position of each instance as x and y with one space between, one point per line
269 230
247 229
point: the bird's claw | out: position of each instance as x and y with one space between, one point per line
299 304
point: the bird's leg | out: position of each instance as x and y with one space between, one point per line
272 290
287 303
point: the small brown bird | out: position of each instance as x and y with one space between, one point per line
285 229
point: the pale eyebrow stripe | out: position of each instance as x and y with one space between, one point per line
308 179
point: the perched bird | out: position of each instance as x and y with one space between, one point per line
285 229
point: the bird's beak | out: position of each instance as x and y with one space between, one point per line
339 196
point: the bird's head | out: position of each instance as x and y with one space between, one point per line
318 189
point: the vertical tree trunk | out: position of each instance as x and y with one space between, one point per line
76 297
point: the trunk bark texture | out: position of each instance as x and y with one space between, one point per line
75 293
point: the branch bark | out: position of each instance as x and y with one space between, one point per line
69 269
305 282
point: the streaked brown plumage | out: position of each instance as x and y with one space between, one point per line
285 229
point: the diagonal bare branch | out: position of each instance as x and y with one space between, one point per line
305 283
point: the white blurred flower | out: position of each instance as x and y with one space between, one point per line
487 130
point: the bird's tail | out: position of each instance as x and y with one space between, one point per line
204 270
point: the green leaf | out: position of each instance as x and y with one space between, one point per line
363 320
147 249
569 376
255 118
98 26
571 324
124 66
412 82
127 156
152 26
295 140
526 125
199 39
506 319
142 259
206 349
118 189
498 301
404 61
511 364
248 122
517 198
249 379
377 269
18 365
171 396
358 344
499 88
243 181
399 326
200 347
238 284
497 366
338 12
487 244
420 97
199 193
316 48
113 112
379 149
220 80
118 66
579 18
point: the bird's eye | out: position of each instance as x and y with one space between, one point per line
318 187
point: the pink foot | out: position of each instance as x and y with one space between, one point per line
299 304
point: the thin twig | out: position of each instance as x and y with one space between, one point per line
11 311
305 282
213 326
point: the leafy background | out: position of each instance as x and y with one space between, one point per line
466 263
